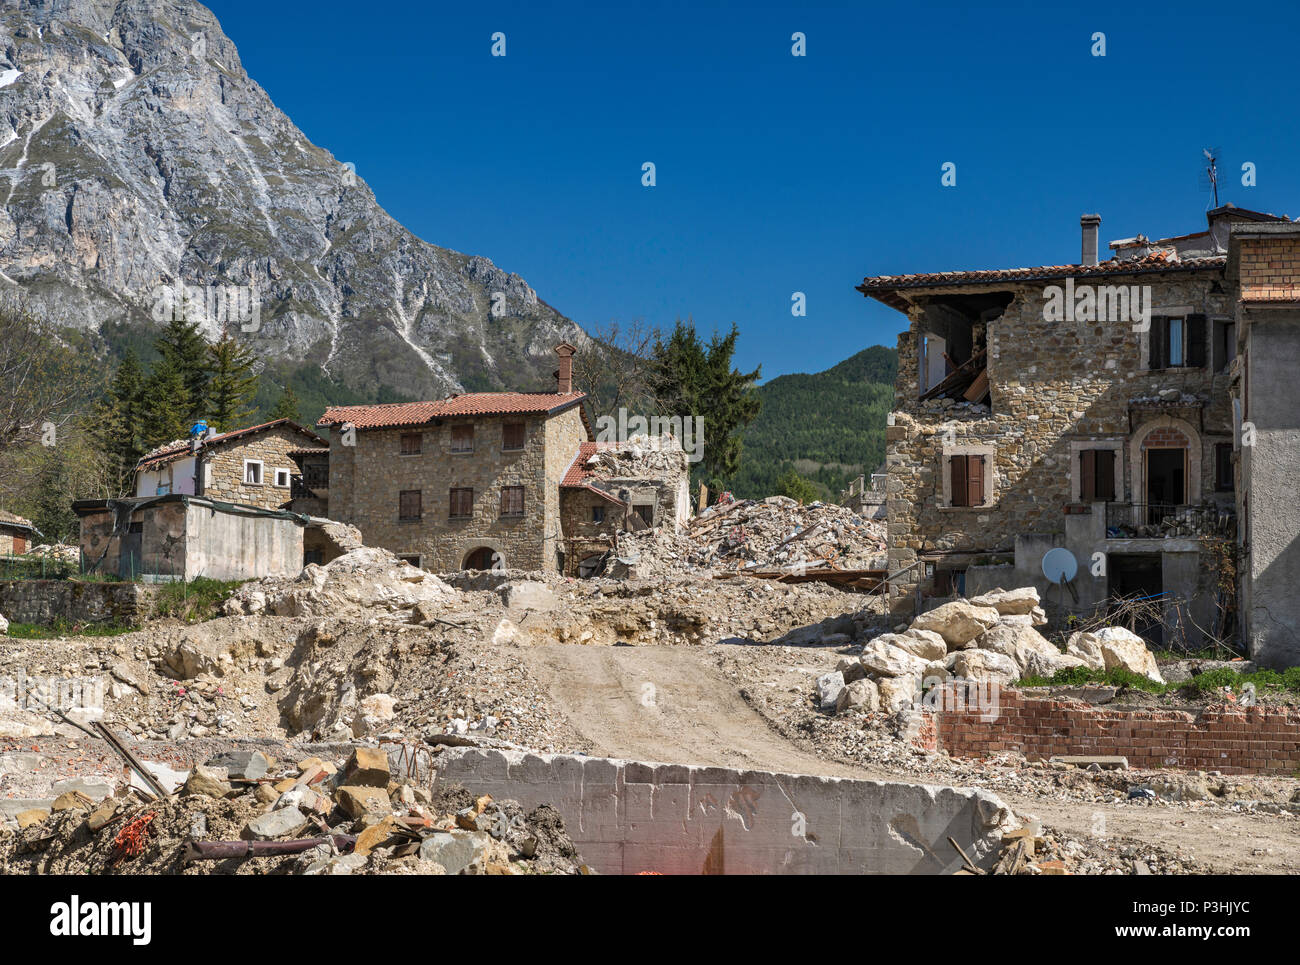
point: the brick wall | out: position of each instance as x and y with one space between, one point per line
1270 269
1229 739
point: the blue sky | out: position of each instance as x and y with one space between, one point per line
776 173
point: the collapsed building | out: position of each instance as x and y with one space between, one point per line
1096 407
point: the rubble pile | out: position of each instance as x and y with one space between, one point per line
776 533
244 813
989 638
641 457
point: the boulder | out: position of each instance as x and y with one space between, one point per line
958 622
367 766
205 782
1086 647
30 817
883 657
1019 601
985 665
356 801
1034 655
925 644
242 765
1124 648
861 694
455 850
528 595
898 693
829 687
283 823
851 668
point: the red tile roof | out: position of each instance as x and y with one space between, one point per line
471 403
880 286
178 449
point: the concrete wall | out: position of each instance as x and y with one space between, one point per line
1269 472
627 817
232 546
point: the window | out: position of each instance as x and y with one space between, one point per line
966 474
412 443
282 478
512 500
1223 478
646 511
1177 342
597 514
253 472
1097 475
1225 344
512 435
461 504
409 504
411 558
462 438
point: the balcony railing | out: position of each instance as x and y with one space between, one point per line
1169 521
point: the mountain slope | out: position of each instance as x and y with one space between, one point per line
135 152
829 426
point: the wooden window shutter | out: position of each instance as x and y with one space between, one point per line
1087 475
1105 485
957 466
1194 336
1159 342
975 480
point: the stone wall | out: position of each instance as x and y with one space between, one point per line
366 478
225 468
14 542
45 601
1051 384
1233 740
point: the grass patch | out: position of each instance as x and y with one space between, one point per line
195 601
65 628
1205 683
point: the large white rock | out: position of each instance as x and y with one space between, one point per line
861 694
882 656
925 644
4 625
1022 600
1124 648
1034 655
958 622
1086 647
829 687
898 693
985 665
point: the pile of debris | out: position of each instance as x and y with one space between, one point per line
55 552
989 638
241 813
774 537
640 457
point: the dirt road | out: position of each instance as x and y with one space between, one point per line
674 704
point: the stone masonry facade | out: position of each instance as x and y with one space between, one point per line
227 463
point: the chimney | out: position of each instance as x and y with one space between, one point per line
1089 223
564 376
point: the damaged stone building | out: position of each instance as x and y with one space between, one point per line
1087 406
478 480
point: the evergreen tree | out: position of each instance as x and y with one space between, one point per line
796 487
183 348
287 407
691 378
162 416
118 429
233 384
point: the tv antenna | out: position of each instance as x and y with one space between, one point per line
1212 170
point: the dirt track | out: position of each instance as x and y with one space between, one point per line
674 704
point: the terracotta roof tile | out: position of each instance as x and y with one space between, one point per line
471 403
175 450
13 519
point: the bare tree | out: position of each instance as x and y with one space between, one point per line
614 368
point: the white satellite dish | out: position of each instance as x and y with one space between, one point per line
1059 565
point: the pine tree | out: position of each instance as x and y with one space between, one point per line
183 348
287 407
118 429
233 384
163 415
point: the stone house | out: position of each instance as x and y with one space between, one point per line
1264 267
254 466
1085 406
466 482
16 534
616 487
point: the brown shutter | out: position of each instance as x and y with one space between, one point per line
957 466
1194 335
975 480
1105 485
1087 475
1159 342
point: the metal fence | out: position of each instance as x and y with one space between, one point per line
1161 520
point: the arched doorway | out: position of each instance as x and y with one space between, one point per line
483 558
1166 458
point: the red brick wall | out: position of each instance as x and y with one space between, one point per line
1223 738
1165 438
1269 269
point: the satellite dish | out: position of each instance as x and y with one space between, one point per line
1059 565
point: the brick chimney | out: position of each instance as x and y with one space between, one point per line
564 375
1089 223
